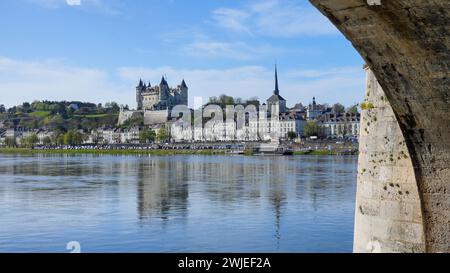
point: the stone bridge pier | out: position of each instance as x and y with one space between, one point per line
403 198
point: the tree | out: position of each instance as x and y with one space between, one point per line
2 109
30 140
54 122
113 107
213 100
147 136
73 138
133 122
10 142
162 135
253 101
58 138
47 141
353 109
338 108
312 129
291 135
299 106
26 107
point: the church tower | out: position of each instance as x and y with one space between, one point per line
277 90
276 101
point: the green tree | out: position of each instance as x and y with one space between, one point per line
147 136
10 142
54 122
353 109
253 101
226 100
213 100
312 129
30 140
67 138
162 135
59 140
73 138
112 107
291 135
47 141
133 121
26 107
338 108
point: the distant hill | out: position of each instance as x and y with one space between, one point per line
62 116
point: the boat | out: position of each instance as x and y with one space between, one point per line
236 152
272 148
277 151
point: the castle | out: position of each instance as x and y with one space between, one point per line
154 103
160 97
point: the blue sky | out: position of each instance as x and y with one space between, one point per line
96 50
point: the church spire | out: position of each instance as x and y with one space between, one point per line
276 91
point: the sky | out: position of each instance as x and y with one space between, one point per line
97 50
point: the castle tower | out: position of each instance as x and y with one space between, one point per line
139 89
184 93
164 91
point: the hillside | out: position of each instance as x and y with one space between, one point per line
61 116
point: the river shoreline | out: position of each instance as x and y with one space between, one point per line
110 151
161 152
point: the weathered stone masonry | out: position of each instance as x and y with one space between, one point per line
406 43
388 215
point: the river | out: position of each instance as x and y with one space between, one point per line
185 203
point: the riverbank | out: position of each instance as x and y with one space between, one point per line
161 152
27 151
315 152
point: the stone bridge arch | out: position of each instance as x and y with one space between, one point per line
406 43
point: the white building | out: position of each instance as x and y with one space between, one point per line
130 136
341 125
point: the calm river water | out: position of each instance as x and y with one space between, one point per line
177 203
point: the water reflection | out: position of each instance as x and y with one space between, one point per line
177 203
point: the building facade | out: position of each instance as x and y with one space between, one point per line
160 97
340 125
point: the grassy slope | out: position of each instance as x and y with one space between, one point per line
39 114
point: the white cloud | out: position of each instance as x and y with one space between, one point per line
22 81
73 2
54 4
232 50
275 18
101 6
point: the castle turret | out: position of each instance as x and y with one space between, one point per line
183 84
163 90
184 93
139 89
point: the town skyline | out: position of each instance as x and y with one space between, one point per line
217 47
